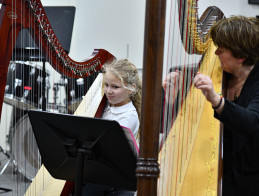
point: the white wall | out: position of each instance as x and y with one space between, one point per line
115 24
231 7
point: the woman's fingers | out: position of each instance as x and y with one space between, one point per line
205 84
172 78
202 81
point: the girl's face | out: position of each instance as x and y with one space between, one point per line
116 94
227 62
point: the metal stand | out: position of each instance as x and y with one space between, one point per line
4 168
87 150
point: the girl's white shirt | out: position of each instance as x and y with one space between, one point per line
125 115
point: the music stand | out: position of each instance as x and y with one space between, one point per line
82 149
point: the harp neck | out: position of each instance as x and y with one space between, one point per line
30 14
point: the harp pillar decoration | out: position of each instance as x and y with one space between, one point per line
147 167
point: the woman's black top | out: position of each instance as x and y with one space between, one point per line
241 136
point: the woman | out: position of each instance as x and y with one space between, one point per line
237 39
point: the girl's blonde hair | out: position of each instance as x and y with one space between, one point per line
128 74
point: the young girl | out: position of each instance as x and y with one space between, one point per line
122 87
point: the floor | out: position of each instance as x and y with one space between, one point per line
12 182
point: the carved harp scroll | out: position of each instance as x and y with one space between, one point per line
194 35
16 15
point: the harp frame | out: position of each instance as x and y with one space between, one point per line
147 167
29 14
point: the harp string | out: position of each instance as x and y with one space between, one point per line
178 141
170 113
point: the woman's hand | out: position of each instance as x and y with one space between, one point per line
172 80
204 83
171 86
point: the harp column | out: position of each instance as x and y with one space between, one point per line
147 167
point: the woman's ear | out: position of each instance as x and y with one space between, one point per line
241 60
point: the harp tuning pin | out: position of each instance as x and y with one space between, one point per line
36 7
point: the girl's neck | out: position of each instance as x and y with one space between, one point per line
120 104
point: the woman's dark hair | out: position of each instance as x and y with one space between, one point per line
240 35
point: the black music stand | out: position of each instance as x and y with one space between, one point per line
82 149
